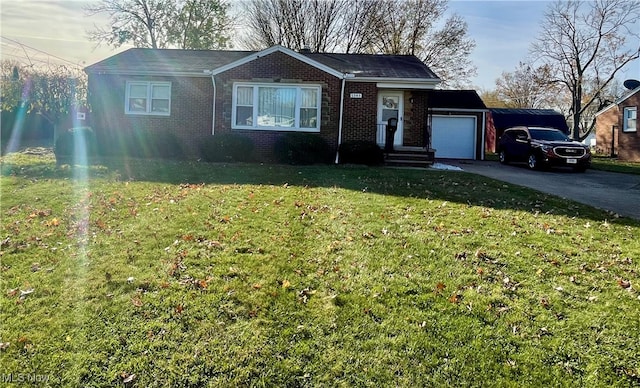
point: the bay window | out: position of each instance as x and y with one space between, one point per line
281 107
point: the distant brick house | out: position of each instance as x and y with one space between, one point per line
200 93
617 131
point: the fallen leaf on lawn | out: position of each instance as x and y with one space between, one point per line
25 293
624 283
202 284
305 294
455 298
13 292
137 302
179 309
286 284
544 302
461 256
440 286
128 378
257 286
4 345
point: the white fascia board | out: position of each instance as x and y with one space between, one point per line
454 110
619 101
284 50
598 113
400 83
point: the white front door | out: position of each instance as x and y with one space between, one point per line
390 105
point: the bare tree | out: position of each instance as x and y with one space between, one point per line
587 43
295 24
403 27
528 87
189 24
139 22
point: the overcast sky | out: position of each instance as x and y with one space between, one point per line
503 31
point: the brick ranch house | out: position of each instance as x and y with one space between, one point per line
340 97
617 127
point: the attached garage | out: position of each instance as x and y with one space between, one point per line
454 137
457 124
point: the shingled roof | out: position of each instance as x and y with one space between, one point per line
375 65
504 118
166 61
174 61
455 99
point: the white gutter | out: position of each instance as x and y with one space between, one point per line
213 105
344 79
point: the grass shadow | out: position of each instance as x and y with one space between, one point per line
451 186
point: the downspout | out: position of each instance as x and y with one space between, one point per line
344 79
484 130
213 104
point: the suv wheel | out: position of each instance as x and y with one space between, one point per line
502 157
533 162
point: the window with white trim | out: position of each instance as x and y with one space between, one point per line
148 98
629 119
280 107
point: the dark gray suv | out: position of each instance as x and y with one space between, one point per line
541 148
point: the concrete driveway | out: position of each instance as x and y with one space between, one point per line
615 192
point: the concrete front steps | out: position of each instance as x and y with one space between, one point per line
409 157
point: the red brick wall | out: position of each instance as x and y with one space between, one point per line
191 108
360 114
627 144
278 68
192 99
604 122
415 118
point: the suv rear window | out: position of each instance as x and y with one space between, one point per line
547 134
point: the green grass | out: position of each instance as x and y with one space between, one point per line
614 165
194 274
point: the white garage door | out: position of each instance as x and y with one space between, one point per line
454 137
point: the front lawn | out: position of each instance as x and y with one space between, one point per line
192 274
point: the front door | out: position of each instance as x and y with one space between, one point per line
390 105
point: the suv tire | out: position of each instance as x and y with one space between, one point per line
502 157
533 162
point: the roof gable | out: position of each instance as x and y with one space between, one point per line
260 54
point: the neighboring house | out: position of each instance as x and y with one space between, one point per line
200 93
617 131
500 119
